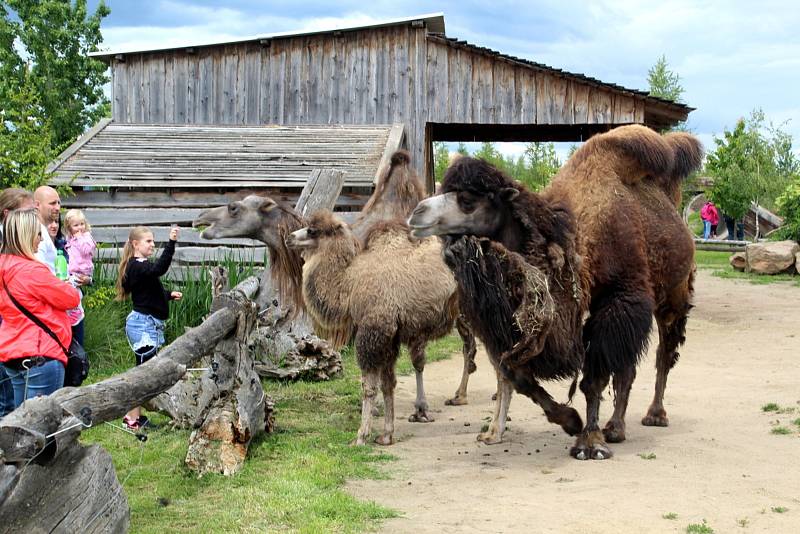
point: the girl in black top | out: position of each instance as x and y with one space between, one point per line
139 278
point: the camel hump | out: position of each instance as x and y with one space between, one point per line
400 157
635 151
687 154
391 228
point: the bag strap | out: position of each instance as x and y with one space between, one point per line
38 322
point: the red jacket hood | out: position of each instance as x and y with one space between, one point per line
45 296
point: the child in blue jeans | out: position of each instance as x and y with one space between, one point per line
139 278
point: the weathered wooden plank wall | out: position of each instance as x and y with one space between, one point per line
371 76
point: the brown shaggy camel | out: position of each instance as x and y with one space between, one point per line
409 300
637 256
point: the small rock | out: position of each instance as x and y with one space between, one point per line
466 423
537 450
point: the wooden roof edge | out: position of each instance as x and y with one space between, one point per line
74 147
559 73
434 22
395 141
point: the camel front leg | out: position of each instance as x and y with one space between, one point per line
614 431
369 390
468 349
497 427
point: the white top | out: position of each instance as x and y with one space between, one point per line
47 251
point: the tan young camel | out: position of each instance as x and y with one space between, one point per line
263 219
395 291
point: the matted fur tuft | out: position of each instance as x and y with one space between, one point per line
396 226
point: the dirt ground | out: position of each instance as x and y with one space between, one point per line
718 459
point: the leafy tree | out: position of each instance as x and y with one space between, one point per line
462 149
663 82
25 138
541 164
55 38
789 207
441 159
750 164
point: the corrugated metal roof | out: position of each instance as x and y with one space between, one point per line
582 78
433 21
151 156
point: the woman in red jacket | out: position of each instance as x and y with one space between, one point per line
31 358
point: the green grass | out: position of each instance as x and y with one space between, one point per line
671 516
647 456
781 430
696 224
699 528
292 479
780 509
770 407
717 262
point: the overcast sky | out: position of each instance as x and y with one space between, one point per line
732 56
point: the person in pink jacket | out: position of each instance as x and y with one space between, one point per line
710 217
80 244
30 357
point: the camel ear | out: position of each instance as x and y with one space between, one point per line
509 193
267 205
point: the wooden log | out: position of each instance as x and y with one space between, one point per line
79 492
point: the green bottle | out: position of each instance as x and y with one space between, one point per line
61 266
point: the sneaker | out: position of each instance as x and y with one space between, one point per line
143 422
131 424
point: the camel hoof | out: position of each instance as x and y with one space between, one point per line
590 447
657 418
494 396
489 438
384 439
420 417
614 432
358 441
456 401
591 453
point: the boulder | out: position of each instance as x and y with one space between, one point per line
771 257
738 261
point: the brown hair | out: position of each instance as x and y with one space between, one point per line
137 233
20 229
12 198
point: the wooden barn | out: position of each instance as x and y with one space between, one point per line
196 125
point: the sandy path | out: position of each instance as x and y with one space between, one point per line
717 461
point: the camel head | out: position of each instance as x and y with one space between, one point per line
323 231
256 217
475 199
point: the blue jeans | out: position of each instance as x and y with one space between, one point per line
706 229
41 380
6 393
145 335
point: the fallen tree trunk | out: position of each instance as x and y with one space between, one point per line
38 440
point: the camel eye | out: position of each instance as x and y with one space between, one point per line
466 202
312 232
233 208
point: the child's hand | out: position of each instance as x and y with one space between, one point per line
176 295
173 233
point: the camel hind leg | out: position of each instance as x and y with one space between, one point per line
420 415
468 349
497 426
376 350
671 318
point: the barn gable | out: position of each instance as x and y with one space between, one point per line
403 71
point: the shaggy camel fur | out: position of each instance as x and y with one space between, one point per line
637 254
409 300
261 218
